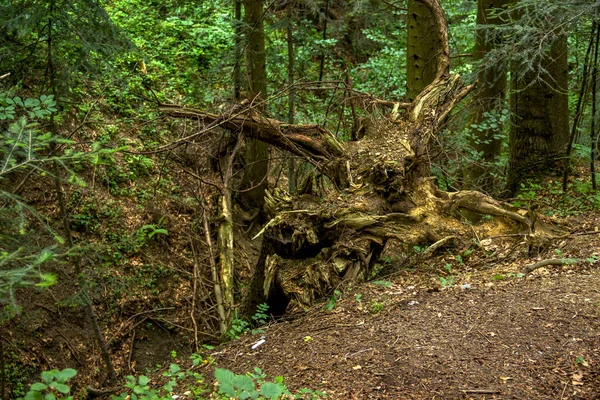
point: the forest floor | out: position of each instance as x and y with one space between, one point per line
482 332
462 324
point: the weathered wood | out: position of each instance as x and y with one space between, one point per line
382 191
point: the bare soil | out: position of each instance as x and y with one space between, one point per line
505 337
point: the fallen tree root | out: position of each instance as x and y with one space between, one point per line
551 261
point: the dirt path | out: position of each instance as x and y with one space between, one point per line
536 337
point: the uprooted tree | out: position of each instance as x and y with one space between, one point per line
379 189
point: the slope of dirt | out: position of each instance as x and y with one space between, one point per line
535 337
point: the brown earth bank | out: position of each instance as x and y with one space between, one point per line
504 337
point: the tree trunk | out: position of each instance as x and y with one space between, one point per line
488 98
238 51
422 49
540 108
254 181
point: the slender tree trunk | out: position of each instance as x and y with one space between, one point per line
581 104
593 133
81 281
238 51
254 181
322 63
488 97
539 131
291 99
422 49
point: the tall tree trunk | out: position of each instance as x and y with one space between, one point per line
254 181
291 99
238 51
422 49
488 97
540 124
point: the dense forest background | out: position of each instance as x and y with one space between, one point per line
132 190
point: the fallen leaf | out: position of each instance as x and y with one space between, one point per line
357 367
505 378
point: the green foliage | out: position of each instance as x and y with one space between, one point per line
376 306
332 301
446 281
254 386
53 386
240 326
180 44
83 38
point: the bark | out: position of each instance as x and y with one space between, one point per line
256 155
488 97
539 131
422 49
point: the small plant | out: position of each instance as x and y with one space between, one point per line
358 297
581 361
254 386
446 282
376 306
386 284
448 267
238 328
332 302
54 386
419 249
243 387
260 317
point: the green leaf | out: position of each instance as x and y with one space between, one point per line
227 389
48 376
67 373
61 387
174 368
50 396
224 376
243 382
243 395
47 281
138 389
170 386
33 395
38 386
143 380
271 390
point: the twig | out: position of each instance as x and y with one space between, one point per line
195 291
481 391
71 349
131 351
